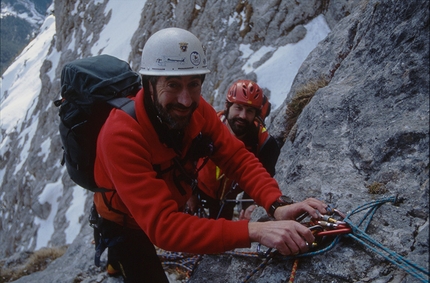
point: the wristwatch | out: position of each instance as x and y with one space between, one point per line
281 201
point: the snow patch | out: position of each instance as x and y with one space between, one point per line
50 194
113 40
25 137
277 73
18 93
45 149
74 213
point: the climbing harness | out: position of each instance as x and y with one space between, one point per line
335 224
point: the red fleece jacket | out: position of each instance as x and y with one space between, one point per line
126 152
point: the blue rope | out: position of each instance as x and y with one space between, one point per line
396 257
244 254
313 253
259 268
360 236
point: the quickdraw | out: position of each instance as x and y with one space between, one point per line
328 225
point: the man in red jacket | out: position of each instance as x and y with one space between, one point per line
242 116
149 166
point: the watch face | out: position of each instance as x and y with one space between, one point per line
286 200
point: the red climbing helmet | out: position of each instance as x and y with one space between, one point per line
245 92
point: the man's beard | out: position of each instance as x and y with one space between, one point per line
239 130
166 114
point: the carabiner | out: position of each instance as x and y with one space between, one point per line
261 253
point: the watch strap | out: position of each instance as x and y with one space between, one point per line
281 201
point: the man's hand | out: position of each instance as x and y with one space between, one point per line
288 237
246 214
292 211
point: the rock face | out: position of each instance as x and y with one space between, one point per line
368 128
363 136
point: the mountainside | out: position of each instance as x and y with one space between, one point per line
20 20
362 135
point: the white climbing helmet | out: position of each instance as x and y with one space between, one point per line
173 52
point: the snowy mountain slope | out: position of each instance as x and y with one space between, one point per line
23 9
20 22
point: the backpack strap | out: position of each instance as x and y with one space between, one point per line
125 104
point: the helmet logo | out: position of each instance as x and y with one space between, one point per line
170 59
195 58
183 46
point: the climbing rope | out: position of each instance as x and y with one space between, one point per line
259 268
361 237
344 228
185 261
293 271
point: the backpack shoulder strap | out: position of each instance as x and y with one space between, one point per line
125 104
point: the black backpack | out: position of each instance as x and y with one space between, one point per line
90 88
